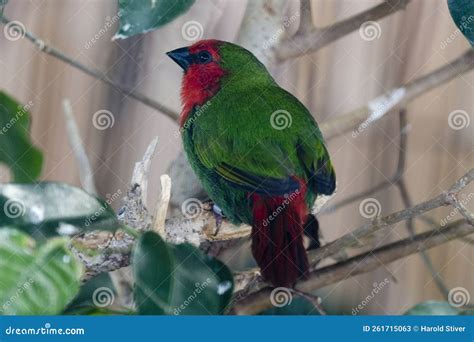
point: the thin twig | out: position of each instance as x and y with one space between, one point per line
407 202
96 73
83 164
353 237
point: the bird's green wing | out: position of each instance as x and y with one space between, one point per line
262 140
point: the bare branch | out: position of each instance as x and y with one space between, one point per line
162 206
396 98
306 18
353 237
43 47
142 168
363 263
85 170
307 42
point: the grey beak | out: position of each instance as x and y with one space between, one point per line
181 56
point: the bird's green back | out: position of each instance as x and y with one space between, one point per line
254 125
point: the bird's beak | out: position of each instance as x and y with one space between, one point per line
182 57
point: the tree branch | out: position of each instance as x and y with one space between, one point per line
305 42
354 237
96 73
363 263
396 98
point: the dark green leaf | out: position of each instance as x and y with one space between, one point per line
36 281
433 307
178 279
462 12
96 294
41 208
16 149
140 16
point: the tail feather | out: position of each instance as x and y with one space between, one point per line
277 237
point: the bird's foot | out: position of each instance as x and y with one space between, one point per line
217 212
218 215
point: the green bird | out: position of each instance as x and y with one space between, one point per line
257 151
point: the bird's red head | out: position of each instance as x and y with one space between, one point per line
202 73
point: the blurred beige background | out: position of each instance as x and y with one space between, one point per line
337 79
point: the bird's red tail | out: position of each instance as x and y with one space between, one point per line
277 237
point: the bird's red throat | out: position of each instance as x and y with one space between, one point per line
201 81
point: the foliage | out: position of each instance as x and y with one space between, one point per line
36 280
178 279
462 12
17 151
46 208
137 16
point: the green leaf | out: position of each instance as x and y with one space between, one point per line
178 279
16 150
433 307
36 281
462 12
139 16
41 208
95 295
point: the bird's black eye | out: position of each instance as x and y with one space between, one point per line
204 57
